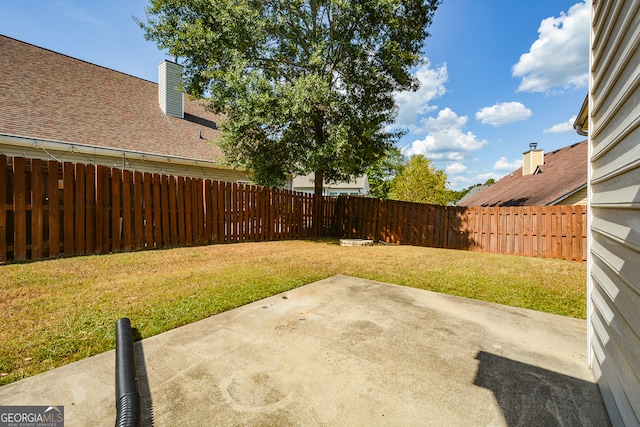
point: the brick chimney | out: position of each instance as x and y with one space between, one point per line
170 97
532 159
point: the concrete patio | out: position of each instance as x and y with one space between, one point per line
344 352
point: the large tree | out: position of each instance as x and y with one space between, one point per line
306 85
420 181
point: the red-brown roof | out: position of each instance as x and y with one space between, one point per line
564 172
50 96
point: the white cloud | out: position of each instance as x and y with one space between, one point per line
455 168
503 113
483 177
562 127
459 182
412 104
504 165
560 55
80 15
446 139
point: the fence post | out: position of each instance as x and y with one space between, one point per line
19 209
37 211
3 208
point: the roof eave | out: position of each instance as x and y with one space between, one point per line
25 141
569 194
581 124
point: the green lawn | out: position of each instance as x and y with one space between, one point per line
59 311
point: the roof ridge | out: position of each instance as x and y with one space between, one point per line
76 59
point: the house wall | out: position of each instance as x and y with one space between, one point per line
577 198
357 187
328 191
614 152
123 160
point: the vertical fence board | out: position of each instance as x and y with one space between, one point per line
219 190
164 207
116 219
37 208
127 212
138 210
188 211
260 213
228 212
147 191
157 212
107 220
90 209
268 219
567 243
208 204
243 211
67 207
19 209
80 209
254 213
54 209
173 211
582 247
100 222
541 230
182 229
237 212
3 208
198 208
225 213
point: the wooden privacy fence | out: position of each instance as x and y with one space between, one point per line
542 231
50 209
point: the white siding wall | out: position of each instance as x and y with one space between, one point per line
614 265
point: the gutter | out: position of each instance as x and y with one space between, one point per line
580 125
94 150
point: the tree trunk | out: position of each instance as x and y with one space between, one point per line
319 180
318 131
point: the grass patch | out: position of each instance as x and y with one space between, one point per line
59 311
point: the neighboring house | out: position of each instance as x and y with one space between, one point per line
53 106
474 190
611 116
556 178
357 187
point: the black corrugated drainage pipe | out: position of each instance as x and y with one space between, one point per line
127 392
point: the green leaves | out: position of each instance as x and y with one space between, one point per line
421 182
306 84
382 173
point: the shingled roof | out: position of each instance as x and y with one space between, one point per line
51 96
563 173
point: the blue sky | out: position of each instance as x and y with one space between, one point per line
498 74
